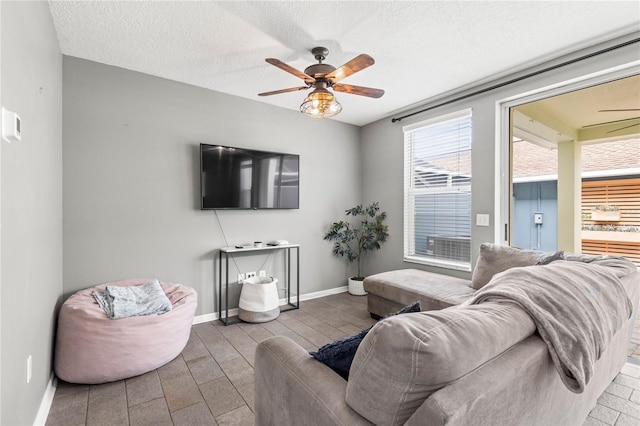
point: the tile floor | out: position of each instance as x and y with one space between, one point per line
634 345
211 382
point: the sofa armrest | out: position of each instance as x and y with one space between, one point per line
292 388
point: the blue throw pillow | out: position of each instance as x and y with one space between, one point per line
339 355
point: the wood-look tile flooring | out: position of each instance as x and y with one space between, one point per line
211 381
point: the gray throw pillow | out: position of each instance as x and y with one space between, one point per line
494 259
558 255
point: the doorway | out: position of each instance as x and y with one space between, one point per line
551 139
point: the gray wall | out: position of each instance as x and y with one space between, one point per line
31 205
382 148
131 183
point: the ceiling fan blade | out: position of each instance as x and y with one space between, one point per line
358 90
609 122
619 110
358 63
622 128
276 92
291 70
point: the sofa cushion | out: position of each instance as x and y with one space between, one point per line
496 258
434 291
406 358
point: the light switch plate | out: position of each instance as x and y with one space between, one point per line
11 131
482 219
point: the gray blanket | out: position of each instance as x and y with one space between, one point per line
123 302
577 308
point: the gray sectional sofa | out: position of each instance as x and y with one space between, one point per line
486 361
390 291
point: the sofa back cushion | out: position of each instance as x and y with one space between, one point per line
405 359
495 258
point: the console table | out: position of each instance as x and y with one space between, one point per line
227 252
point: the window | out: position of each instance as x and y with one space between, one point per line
437 191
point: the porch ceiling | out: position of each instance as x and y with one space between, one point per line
606 111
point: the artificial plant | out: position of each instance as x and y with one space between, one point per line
364 234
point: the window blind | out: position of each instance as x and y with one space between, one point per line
437 191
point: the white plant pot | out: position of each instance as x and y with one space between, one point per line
605 216
356 287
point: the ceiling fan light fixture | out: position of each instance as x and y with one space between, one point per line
320 104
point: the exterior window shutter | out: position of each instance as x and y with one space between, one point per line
437 191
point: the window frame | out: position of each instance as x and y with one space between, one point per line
409 195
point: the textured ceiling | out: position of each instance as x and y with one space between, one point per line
421 49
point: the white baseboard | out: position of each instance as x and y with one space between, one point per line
47 400
199 319
309 296
212 317
323 293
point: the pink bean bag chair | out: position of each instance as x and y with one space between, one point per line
92 349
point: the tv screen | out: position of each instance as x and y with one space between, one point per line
238 178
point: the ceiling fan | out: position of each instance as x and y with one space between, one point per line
321 103
617 121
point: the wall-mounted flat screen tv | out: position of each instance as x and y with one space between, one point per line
239 178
